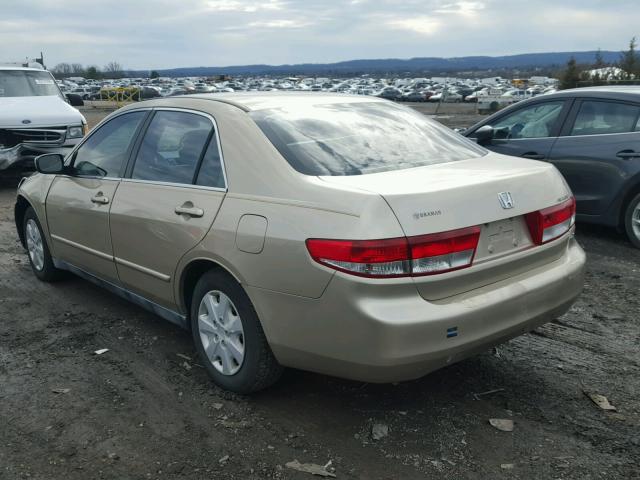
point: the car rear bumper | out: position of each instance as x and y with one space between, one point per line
388 332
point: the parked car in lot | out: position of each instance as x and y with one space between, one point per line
390 93
592 135
415 96
446 97
340 234
35 118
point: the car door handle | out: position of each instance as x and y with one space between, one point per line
533 156
627 154
100 199
189 210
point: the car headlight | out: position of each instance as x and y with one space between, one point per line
75 132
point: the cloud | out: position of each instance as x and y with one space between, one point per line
422 25
280 24
166 33
243 6
461 8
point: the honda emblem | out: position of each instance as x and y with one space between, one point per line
505 200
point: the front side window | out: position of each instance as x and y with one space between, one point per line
27 83
105 151
172 147
598 118
535 121
360 138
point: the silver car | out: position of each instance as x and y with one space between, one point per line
343 235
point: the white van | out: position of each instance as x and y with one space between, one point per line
35 118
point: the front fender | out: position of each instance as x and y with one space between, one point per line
33 192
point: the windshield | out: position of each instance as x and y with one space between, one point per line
26 83
360 138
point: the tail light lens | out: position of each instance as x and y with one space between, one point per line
367 258
443 252
551 223
398 257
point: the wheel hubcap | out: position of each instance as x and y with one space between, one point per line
221 332
635 221
34 245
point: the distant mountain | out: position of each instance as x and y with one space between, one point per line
395 65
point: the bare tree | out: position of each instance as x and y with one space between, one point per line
77 68
113 69
62 69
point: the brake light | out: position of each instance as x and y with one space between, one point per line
367 258
443 252
551 223
398 257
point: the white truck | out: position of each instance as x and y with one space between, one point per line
493 99
35 118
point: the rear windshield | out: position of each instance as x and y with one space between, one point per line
360 138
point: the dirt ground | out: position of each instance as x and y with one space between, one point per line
146 410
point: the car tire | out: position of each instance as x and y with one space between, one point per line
221 341
38 251
632 221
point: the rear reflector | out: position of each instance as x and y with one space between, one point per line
551 223
398 257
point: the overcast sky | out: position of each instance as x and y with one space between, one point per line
143 34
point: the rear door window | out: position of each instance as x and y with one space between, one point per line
599 118
173 147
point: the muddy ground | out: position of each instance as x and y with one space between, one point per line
145 409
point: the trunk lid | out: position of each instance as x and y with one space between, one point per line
449 196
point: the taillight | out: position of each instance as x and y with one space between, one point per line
398 257
443 252
367 258
553 222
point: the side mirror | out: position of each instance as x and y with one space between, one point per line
484 134
50 163
75 100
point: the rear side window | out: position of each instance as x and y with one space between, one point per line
210 174
105 151
360 138
599 118
172 147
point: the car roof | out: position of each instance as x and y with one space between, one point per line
28 69
631 92
252 101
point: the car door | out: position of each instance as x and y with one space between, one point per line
172 193
78 203
598 151
529 131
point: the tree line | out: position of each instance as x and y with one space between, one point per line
109 71
575 75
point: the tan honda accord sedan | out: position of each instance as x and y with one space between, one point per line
343 235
